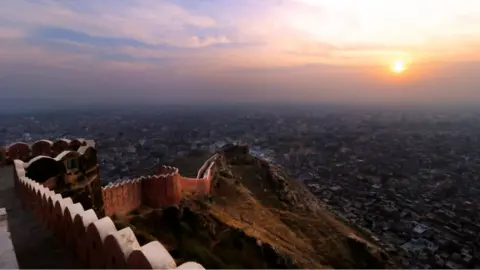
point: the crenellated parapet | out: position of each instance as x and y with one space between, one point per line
73 173
26 151
95 240
201 184
70 167
122 197
166 188
80 212
162 189
156 191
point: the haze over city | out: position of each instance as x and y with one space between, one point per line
240 134
371 51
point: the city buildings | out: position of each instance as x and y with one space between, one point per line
410 179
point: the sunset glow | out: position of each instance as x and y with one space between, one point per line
398 66
220 48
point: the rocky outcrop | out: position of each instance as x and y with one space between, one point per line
297 208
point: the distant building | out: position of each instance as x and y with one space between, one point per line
420 228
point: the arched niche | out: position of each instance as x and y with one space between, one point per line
44 168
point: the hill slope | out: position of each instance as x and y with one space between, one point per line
256 217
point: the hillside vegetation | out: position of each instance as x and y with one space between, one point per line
256 217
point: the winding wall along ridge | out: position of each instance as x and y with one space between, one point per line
160 190
165 188
96 242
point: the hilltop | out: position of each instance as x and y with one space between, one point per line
255 217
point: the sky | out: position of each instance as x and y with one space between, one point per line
163 51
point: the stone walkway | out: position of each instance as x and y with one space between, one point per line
35 246
8 259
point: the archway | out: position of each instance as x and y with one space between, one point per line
44 168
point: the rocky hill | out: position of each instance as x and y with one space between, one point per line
256 217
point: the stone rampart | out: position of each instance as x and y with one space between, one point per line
26 152
96 241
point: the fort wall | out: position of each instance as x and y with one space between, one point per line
73 172
83 220
25 152
122 197
161 190
165 188
200 185
96 241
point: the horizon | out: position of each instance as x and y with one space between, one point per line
27 107
387 53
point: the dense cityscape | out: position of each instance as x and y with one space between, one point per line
407 177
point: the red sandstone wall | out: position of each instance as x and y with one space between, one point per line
96 242
155 191
122 198
207 180
25 152
206 165
198 185
189 185
195 185
162 190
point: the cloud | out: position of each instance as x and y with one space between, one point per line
154 22
222 44
53 33
11 33
303 27
202 42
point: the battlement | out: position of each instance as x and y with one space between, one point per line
96 241
160 190
166 171
72 164
201 184
25 152
70 167
67 167
66 196
122 197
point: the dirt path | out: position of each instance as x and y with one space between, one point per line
34 245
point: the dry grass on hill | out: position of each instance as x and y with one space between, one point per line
256 217
248 194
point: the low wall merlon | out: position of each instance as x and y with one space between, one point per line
122 182
26 151
40 199
167 170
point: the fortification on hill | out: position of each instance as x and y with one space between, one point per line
59 181
254 216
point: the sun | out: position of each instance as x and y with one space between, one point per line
398 66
